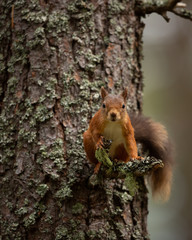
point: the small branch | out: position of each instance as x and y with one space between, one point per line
130 171
141 167
116 169
183 13
162 7
150 6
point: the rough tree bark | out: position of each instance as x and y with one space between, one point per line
54 57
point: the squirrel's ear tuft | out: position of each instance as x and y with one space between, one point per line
104 93
124 94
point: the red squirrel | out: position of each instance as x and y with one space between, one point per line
112 122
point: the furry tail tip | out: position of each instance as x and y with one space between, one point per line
161 181
155 139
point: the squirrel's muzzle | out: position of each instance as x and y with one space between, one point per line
113 116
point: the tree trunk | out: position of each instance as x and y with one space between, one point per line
54 57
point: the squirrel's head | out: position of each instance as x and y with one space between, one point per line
114 106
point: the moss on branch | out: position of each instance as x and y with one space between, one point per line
116 169
129 171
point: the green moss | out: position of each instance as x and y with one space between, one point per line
103 157
131 184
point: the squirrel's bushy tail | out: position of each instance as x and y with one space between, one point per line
155 139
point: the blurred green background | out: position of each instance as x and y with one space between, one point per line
167 68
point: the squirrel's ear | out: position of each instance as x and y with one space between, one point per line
104 93
124 94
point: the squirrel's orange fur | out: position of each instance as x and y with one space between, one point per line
113 122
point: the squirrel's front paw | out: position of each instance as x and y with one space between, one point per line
97 167
137 158
99 143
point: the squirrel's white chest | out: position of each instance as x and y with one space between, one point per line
113 131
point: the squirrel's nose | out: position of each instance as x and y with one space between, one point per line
113 116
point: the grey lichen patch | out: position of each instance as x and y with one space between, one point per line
77 208
27 135
87 60
68 102
34 16
38 38
57 23
123 196
77 6
15 59
42 190
2 66
7 133
11 84
50 88
102 232
61 232
19 52
70 232
42 113
94 180
115 7
30 220
55 153
21 211
10 228
63 193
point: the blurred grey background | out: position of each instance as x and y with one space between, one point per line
167 68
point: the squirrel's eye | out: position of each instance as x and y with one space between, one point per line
104 105
123 106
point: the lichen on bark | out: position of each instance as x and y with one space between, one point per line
54 58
